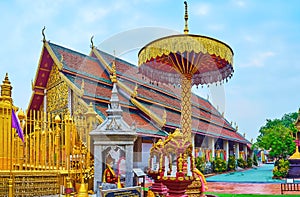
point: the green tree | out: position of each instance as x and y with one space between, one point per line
231 163
255 160
200 164
281 169
249 162
288 120
219 165
278 136
241 163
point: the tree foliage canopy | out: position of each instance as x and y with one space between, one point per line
278 136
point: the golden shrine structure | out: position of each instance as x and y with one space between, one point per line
185 60
294 160
70 95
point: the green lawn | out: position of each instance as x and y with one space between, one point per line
251 195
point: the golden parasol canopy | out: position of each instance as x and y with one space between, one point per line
205 60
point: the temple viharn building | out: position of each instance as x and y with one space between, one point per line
69 81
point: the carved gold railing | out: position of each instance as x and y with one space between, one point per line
55 146
40 183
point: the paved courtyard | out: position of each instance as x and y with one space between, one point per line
252 181
245 188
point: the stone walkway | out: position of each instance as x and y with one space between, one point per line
245 188
252 181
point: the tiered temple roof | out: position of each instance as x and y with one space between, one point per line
153 107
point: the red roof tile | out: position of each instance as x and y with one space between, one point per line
83 64
97 84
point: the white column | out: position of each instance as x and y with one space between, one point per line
129 166
226 147
212 146
237 150
245 151
97 166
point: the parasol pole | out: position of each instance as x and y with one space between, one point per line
186 113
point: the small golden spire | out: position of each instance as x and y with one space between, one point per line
83 190
113 76
21 115
186 17
57 119
6 87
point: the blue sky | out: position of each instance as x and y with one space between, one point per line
264 36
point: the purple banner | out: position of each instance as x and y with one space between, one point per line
15 124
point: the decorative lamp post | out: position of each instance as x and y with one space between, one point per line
186 60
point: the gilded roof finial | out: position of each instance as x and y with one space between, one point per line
113 76
134 92
61 58
164 116
43 33
92 42
186 17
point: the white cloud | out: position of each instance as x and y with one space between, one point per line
239 3
201 9
258 60
91 15
216 27
249 38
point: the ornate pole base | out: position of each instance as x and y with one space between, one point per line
194 189
159 188
177 188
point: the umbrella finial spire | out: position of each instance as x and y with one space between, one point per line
186 17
